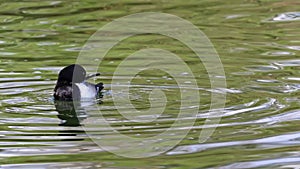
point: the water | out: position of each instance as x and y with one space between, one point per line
258 43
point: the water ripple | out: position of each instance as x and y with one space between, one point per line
284 140
288 16
69 165
282 162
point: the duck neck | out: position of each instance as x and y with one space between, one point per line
62 83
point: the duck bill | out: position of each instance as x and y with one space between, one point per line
92 75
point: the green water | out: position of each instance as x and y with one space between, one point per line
259 126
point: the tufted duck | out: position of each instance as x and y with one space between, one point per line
75 88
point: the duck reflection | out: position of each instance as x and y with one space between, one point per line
67 112
72 113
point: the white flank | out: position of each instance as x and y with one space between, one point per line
86 90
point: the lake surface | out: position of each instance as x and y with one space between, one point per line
257 41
